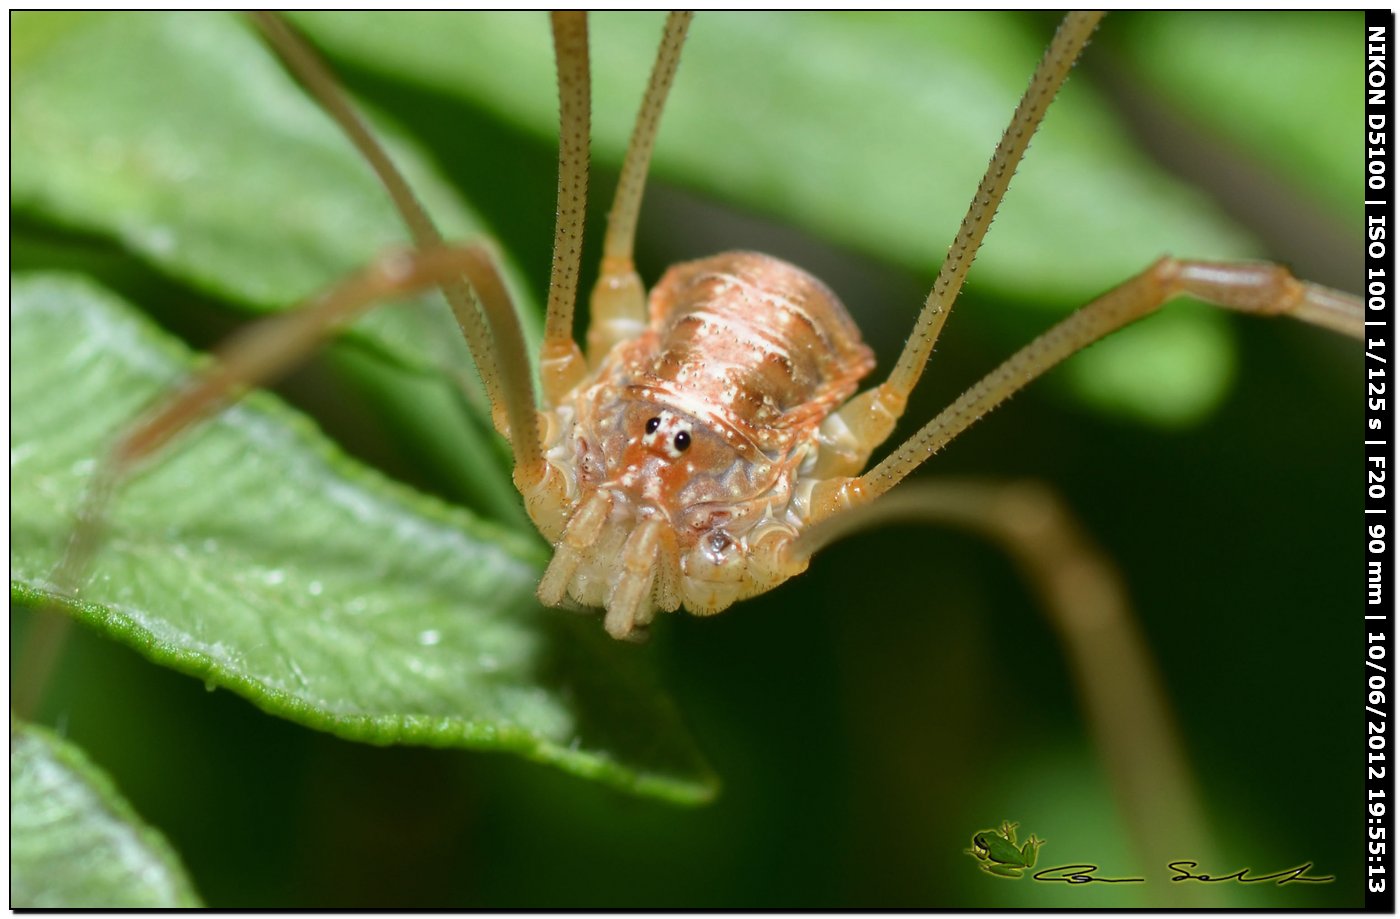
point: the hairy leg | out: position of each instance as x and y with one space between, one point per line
617 311
851 434
1258 289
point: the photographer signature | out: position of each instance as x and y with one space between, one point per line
1084 874
999 854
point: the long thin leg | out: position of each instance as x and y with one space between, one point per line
1088 607
561 362
617 310
268 348
871 416
497 343
1260 289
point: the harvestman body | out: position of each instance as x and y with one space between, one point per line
691 444
705 447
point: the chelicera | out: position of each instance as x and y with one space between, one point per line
711 436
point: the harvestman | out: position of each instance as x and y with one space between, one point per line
706 444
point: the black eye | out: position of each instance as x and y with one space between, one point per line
682 441
653 424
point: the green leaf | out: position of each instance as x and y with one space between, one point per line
872 130
75 842
259 559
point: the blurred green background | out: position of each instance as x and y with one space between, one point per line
869 717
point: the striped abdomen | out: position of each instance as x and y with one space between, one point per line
750 345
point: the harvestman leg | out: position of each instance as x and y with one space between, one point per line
617 310
561 361
1255 288
260 353
257 354
1087 605
510 405
467 275
852 433
1124 701
499 350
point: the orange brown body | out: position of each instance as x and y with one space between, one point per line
684 455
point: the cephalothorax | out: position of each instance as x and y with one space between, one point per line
710 438
687 453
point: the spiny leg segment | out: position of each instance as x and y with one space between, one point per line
852 433
617 310
561 362
493 334
1259 289
1255 288
871 416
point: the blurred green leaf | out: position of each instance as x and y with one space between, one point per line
75 842
872 130
181 136
1163 370
1241 75
259 559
